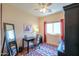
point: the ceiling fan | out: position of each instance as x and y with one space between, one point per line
43 7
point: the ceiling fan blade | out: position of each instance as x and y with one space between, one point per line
43 7
49 4
49 10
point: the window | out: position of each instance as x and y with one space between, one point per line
53 28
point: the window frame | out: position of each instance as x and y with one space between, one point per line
53 28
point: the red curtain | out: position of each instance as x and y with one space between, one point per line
62 29
45 30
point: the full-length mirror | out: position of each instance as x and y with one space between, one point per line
10 39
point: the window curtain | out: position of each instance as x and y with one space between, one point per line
62 29
45 30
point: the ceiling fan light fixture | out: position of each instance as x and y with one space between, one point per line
43 7
43 10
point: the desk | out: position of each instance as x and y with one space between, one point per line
27 40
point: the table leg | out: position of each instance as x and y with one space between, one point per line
23 44
27 47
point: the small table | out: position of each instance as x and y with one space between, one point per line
27 40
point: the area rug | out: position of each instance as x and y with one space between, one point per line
43 50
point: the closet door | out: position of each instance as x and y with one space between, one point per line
72 29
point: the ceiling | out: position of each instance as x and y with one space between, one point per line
30 7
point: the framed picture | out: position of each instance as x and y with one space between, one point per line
27 28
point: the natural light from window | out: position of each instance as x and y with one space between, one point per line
53 28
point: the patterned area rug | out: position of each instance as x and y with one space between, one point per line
43 50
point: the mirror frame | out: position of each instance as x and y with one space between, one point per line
4 41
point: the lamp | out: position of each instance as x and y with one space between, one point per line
35 28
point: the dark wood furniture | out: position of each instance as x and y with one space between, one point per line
27 40
36 41
72 29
